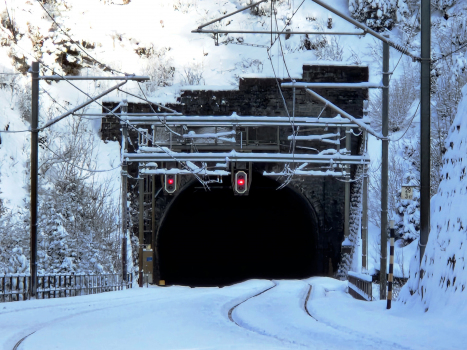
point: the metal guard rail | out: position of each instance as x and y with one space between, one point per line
360 286
17 288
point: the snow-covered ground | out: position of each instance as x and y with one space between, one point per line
186 318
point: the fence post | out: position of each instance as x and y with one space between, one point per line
391 264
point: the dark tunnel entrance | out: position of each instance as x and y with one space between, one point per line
215 238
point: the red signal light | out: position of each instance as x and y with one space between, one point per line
170 183
241 180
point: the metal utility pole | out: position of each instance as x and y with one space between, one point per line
365 220
35 149
153 229
365 208
34 170
348 144
425 114
384 173
124 108
141 227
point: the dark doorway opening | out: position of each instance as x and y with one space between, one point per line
215 238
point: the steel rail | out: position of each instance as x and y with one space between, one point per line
246 157
16 347
230 313
306 303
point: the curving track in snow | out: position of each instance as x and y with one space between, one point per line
315 313
231 310
283 312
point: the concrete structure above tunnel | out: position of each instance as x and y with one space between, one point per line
260 97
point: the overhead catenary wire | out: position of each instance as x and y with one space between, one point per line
160 119
282 51
288 22
78 167
119 118
449 54
408 127
407 45
11 22
294 131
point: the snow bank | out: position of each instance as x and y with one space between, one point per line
445 279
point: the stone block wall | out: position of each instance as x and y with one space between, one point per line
261 97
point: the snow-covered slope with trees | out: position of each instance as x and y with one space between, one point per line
445 277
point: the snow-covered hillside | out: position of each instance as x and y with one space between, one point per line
445 279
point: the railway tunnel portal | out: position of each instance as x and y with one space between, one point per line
212 238
207 238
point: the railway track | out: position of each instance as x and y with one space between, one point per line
21 340
45 324
265 333
305 306
253 296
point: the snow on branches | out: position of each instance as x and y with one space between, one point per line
378 14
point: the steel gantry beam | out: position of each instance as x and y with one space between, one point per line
231 121
124 77
235 31
364 85
160 155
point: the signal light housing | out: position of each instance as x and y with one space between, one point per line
170 183
241 182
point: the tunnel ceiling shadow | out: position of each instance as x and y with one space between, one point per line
215 238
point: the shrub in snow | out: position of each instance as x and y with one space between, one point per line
403 93
378 14
332 50
325 47
445 278
407 212
397 167
159 67
24 97
193 74
14 241
443 5
184 6
53 246
247 65
116 2
407 221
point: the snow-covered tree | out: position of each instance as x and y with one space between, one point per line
449 75
80 218
14 241
403 93
378 14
